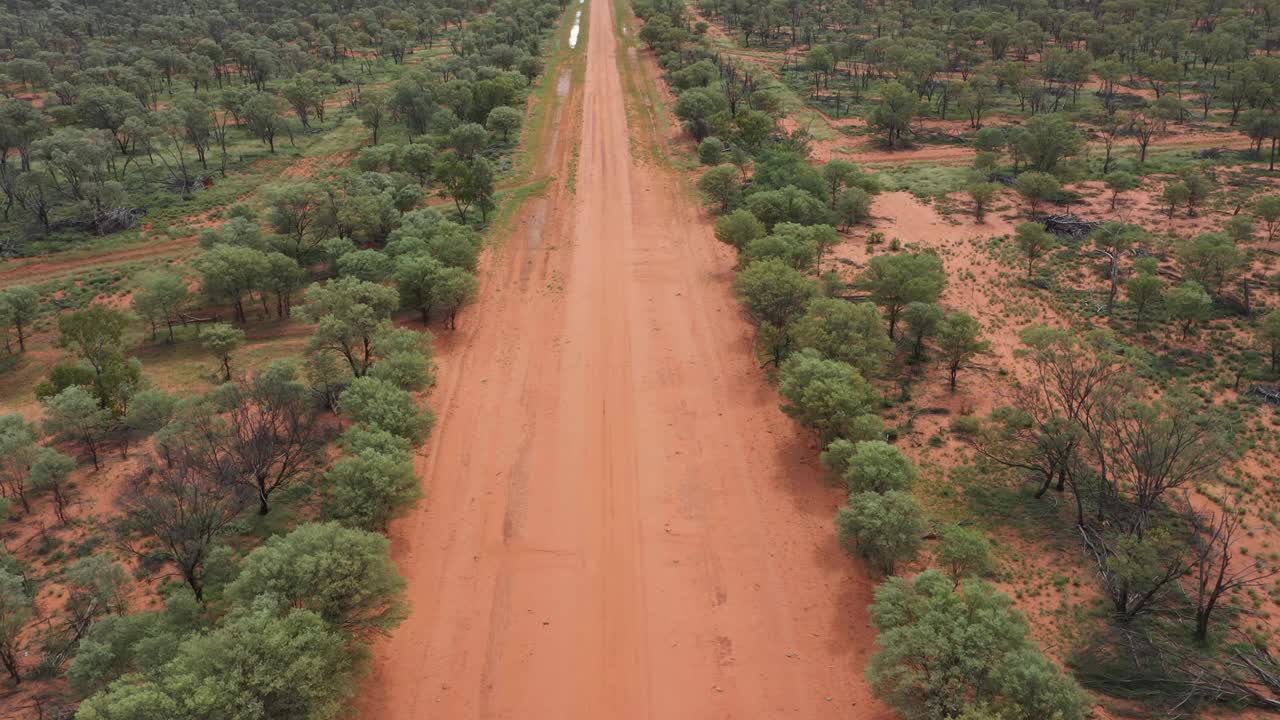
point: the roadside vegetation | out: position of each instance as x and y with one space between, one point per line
1054 425
203 446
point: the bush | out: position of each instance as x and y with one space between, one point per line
343 575
381 405
368 489
964 552
739 228
711 151
944 650
828 396
884 530
878 467
835 459
775 292
1036 188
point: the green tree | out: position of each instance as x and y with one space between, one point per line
835 459
964 552
788 204
878 467
468 139
404 358
159 299
775 292
17 451
229 272
827 395
943 649
17 608
381 405
1048 140
23 305
959 341
49 473
739 228
1175 194
1119 182
1189 304
367 489
893 115
1035 188
1266 209
417 277
1144 290
295 212
1211 259
1269 333
374 111
504 121
454 288
884 529
852 206
711 151
695 108
721 186
74 415
1034 242
982 194
896 281
922 320
1114 240
1240 229
222 340
349 313
344 575
841 175
367 264
95 334
262 663
845 331
261 115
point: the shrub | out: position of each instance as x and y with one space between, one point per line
828 396
964 552
876 466
884 529
711 151
945 649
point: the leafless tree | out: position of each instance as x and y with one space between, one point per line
183 509
1217 570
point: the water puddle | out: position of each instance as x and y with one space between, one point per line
577 24
562 84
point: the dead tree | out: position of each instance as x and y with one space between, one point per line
1217 571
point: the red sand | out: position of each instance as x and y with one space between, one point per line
619 521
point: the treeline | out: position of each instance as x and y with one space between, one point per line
1086 424
291 614
95 121
316 452
779 211
1144 68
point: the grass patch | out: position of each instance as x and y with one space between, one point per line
924 181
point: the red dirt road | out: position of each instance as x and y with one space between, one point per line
619 521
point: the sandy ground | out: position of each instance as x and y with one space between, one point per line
619 521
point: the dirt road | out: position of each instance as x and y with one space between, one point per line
619 522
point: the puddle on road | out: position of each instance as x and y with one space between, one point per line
562 83
577 24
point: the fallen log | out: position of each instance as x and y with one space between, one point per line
1269 395
1070 226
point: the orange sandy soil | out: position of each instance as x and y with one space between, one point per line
619 520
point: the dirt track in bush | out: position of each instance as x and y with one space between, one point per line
619 522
